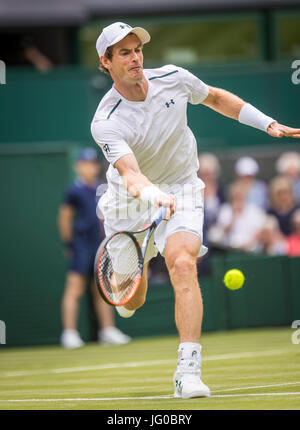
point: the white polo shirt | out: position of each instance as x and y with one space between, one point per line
154 130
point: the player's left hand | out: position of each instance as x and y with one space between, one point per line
278 130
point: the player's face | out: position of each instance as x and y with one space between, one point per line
127 60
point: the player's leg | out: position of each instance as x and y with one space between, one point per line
108 333
139 298
74 289
181 254
181 257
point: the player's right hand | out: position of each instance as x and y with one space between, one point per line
168 201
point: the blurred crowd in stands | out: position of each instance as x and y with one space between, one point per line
249 214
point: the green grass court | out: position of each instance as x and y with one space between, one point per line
245 369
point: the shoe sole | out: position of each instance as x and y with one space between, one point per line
191 395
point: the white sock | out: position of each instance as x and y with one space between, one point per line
70 331
189 357
190 349
104 330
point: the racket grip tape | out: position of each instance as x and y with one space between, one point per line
159 215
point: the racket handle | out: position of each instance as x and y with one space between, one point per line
159 215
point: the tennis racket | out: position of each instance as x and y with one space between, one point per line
119 262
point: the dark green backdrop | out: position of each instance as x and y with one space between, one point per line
59 106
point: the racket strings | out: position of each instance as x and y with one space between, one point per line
119 268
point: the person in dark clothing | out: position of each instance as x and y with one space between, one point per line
81 232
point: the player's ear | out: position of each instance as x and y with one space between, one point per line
105 62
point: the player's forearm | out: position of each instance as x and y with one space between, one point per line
234 107
135 182
132 177
139 186
224 102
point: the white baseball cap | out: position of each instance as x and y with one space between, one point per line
246 166
116 32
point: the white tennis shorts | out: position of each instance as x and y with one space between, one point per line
132 215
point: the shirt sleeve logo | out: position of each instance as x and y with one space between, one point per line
106 148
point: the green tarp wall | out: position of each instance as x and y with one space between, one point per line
59 106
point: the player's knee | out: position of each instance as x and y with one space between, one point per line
182 265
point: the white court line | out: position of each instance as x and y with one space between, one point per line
142 363
256 394
85 368
259 386
170 396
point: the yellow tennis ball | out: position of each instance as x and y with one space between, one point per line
234 279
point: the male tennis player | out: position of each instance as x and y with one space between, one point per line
141 126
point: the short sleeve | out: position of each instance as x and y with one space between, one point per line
197 90
111 139
70 197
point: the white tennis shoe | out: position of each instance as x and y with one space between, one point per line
70 339
113 336
187 377
188 385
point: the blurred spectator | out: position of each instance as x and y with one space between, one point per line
288 164
209 172
270 239
282 203
81 232
238 222
34 56
157 271
246 170
293 240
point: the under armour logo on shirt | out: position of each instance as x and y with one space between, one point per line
106 148
171 102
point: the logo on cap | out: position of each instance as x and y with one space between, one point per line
124 26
